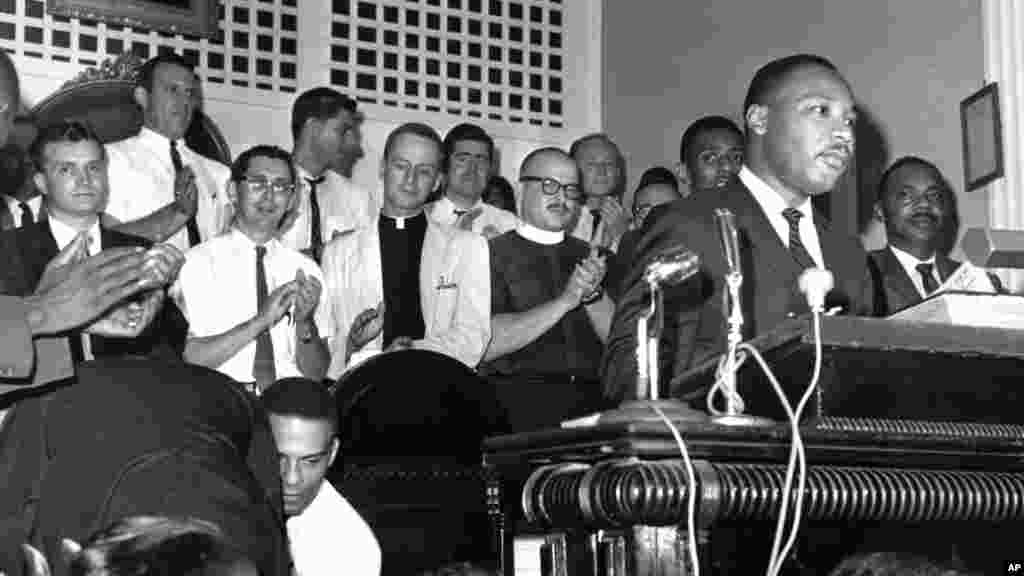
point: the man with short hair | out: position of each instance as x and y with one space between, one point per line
468 153
916 205
406 281
325 124
22 203
602 220
253 305
550 315
160 188
710 154
324 530
800 116
72 177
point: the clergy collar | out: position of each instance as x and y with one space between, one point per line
770 200
540 236
402 221
450 207
64 234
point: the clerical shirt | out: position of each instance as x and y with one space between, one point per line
401 247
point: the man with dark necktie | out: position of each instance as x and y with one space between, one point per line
253 305
325 124
602 219
160 188
915 204
800 115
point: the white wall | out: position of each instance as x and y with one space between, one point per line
910 62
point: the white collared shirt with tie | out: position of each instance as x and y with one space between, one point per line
141 179
344 207
491 218
35 205
910 264
64 235
773 205
216 291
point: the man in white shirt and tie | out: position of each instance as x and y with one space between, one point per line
915 204
160 188
253 305
468 157
325 124
325 533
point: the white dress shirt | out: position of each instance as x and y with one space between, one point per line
64 235
216 291
910 263
35 204
773 205
330 537
344 207
142 181
497 220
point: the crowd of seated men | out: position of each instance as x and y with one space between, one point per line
144 283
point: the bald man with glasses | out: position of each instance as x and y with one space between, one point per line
549 312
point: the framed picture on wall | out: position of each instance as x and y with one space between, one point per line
982 137
188 17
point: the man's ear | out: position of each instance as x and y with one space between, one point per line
878 213
70 550
35 561
335 443
682 173
141 97
757 119
40 182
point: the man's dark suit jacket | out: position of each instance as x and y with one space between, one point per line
895 291
695 329
26 252
131 436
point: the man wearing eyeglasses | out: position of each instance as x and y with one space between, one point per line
469 152
253 304
710 154
325 125
550 315
406 281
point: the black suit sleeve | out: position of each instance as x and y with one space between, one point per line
682 305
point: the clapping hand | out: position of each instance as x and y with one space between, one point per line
586 277
614 221
186 195
278 304
129 319
307 296
367 326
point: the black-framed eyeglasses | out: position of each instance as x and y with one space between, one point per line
714 157
551 187
263 185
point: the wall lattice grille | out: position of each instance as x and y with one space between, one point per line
257 49
499 60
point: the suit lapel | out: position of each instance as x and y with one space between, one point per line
946 266
751 217
900 291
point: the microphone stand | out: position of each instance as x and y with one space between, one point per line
734 406
648 338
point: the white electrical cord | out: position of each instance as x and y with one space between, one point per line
691 492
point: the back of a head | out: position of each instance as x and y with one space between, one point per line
320 103
158 546
890 564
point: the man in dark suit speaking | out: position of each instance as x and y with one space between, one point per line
800 117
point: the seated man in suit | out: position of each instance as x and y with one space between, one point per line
72 177
550 313
710 154
915 203
323 528
406 281
253 304
799 115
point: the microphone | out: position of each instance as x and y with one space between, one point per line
815 284
726 224
672 266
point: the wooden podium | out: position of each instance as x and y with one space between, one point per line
914 424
